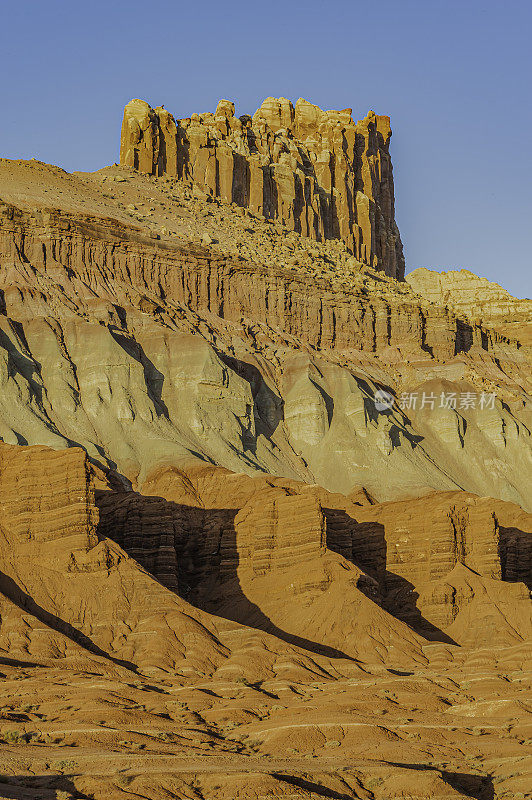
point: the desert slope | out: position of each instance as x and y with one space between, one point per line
265 511
151 351
112 682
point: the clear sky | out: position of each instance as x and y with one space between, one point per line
454 76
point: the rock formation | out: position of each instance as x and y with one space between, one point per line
477 299
452 549
265 522
185 361
318 172
82 598
252 690
230 534
205 282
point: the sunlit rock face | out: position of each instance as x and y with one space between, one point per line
264 509
317 172
148 353
476 298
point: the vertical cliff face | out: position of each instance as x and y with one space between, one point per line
81 597
317 172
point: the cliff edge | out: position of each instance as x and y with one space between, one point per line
317 172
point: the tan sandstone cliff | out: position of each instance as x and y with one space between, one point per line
318 172
477 299
225 570
130 338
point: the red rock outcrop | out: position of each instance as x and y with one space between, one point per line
84 598
452 550
246 545
113 259
317 172
450 565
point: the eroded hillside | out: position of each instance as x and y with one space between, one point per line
264 510
476 298
288 652
154 351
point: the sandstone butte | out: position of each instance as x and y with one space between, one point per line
225 572
318 172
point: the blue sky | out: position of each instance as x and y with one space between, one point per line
454 77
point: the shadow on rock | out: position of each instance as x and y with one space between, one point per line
40 787
205 548
479 787
12 590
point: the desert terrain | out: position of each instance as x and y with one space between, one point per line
228 569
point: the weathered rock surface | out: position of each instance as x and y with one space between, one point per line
228 572
148 354
244 545
446 556
314 313
477 299
99 661
317 172
82 599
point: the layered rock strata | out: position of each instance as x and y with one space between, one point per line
149 353
83 600
477 299
437 563
119 263
58 565
449 551
318 172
